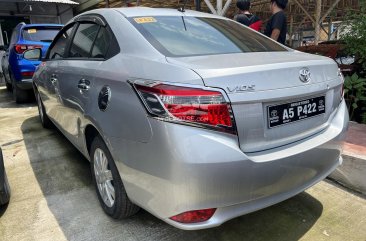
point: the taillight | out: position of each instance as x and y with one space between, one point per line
27 74
206 108
21 48
195 216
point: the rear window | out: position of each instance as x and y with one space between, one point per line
40 34
176 36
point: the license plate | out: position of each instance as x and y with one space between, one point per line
291 112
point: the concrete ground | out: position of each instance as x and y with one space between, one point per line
53 198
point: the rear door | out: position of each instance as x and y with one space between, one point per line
77 75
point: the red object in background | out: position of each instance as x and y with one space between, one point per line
257 25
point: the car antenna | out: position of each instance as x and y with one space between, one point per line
181 9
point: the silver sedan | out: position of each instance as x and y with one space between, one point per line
190 116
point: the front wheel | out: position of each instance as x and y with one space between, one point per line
110 189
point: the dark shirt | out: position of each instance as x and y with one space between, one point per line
249 20
246 19
277 21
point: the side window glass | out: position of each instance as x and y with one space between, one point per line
101 44
83 40
58 49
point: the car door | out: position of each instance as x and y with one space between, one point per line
76 78
47 83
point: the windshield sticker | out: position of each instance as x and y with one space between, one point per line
145 20
32 30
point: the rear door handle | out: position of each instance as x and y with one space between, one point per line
84 84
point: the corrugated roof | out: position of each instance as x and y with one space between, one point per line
52 1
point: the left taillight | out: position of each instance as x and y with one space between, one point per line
200 107
21 48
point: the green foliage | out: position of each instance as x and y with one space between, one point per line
355 38
354 92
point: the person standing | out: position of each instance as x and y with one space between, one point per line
245 17
277 25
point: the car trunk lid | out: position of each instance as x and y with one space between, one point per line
255 82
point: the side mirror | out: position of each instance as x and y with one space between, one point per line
33 54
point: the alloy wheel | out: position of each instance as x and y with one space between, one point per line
103 177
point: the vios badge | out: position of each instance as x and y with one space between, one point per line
104 97
305 75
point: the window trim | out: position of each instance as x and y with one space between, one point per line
63 30
87 18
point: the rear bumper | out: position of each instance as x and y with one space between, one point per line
25 84
184 168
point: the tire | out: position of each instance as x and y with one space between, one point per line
5 194
46 122
20 96
107 180
5 188
9 87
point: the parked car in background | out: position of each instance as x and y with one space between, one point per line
18 71
335 50
191 116
4 184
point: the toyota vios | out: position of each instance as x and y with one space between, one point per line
191 116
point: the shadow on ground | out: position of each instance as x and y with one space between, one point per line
6 97
65 180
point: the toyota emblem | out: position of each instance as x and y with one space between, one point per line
305 75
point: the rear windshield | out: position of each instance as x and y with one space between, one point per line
176 36
40 34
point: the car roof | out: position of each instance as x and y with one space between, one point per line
42 25
145 11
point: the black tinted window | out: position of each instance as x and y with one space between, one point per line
101 44
189 36
83 40
57 51
40 34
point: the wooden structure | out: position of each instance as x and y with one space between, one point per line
302 14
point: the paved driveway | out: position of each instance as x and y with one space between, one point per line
53 198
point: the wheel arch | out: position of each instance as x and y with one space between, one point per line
90 133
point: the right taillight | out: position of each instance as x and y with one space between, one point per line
205 108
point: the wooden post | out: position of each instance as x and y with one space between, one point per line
318 11
291 29
330 28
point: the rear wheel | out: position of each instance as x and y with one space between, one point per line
20 96
110 189
46 122
9 87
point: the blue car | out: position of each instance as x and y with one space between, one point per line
19 69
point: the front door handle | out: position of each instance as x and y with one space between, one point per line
53 79
84 84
